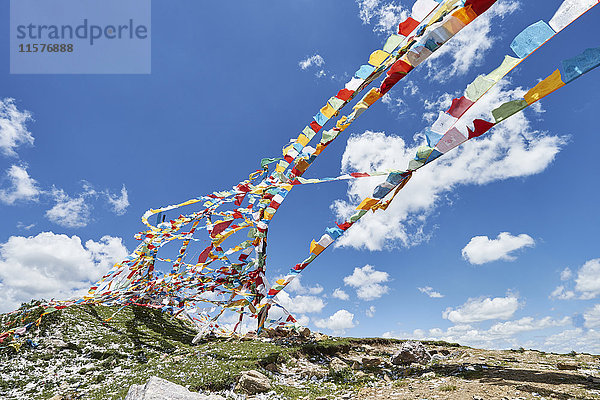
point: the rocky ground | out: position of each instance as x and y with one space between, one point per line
74 354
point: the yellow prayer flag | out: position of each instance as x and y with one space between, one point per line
545 87
372 96
465 14
302 139
377 57
367 203
316 248
328 111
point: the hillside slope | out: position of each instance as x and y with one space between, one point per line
75 354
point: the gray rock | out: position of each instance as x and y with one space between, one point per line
371 362
253 382
411 352
337 365
161 389
567 366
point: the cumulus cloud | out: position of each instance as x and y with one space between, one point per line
483 309
370 312
340 294
51 265
581 339
300 304
118 203
469 47
368 282
428 290
296 286
13 129
561 293
510 150
566 274
338 322
481 249
592 317
384 17
70 212
501 335
22 187
588 279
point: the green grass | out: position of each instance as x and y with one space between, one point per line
103 359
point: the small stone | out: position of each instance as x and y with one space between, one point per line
304 332
253 382
428 375
337 365
478 398
567 366
272 367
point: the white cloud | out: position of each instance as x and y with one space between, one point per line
566 274
592 317
510 150
481 249
315 60
368 282
561 293
469 47
52 265
296 286
588 279
13 129
395 104
300 304
22 186
384 17
338 322
118 203
428 290
21 225
370 312
70 212
340 294
577 339
483 309
501 335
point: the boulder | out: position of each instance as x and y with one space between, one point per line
161 389
253 382
371 362
567 366
411 352
337 365
304 332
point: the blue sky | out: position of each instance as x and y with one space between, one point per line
497 247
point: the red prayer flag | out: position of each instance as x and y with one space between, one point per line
344 94
406 27
390 81
480 127
401 67
344 225
479 6
459 106
220 227
315 127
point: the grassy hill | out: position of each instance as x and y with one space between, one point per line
76 354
